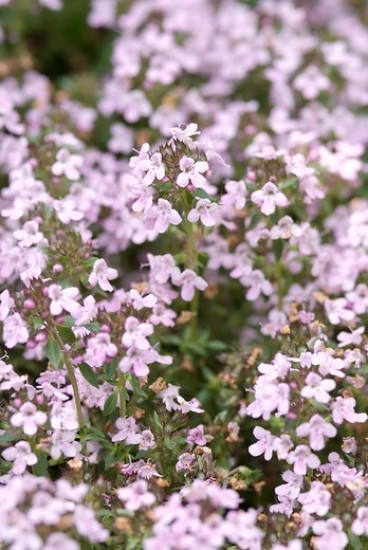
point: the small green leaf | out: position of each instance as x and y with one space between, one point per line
37 322
7 437
109 458
124 394
66 334
94 327
201 193
169 444
136 387
110 404
277 247
156 421
94 434
196 348
40 468
217 345
110 369
355 542
53 352
180 257
89 375
288 183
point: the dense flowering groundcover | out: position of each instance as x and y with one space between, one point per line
184 274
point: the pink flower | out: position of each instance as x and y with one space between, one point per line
189 281
184 133
292 545
283 445
128 431
121 140
317 429
193 405
59 541
28 418
101 275
258 284
14 331
6 304
331 534
85 313
99 350
139 302
269 396
205 212
290 489
160 216
135 334
339 312
343 409
303 458
317 388
235 196
63 443
21 455
196 436
268 198
265 445
351 338
169 397
161 267
191 172
62 299
136 495
29 235
147 168
147 440
87 525
360 524
67 164
317 500
311 82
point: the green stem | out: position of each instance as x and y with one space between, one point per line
279 276
192 264
122 402
71 374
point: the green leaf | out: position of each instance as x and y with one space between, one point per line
217 345
124 394
53 352
136 387
356 542
94 434
194 347
110 369
156 421
180 257
94 326
277 247
69 321
109 458
40 468
179 440
66 334
7 437
110 404
288 183
37 322
169 444
89 262
89 375
201 193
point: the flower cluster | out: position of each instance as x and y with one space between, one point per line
183 270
